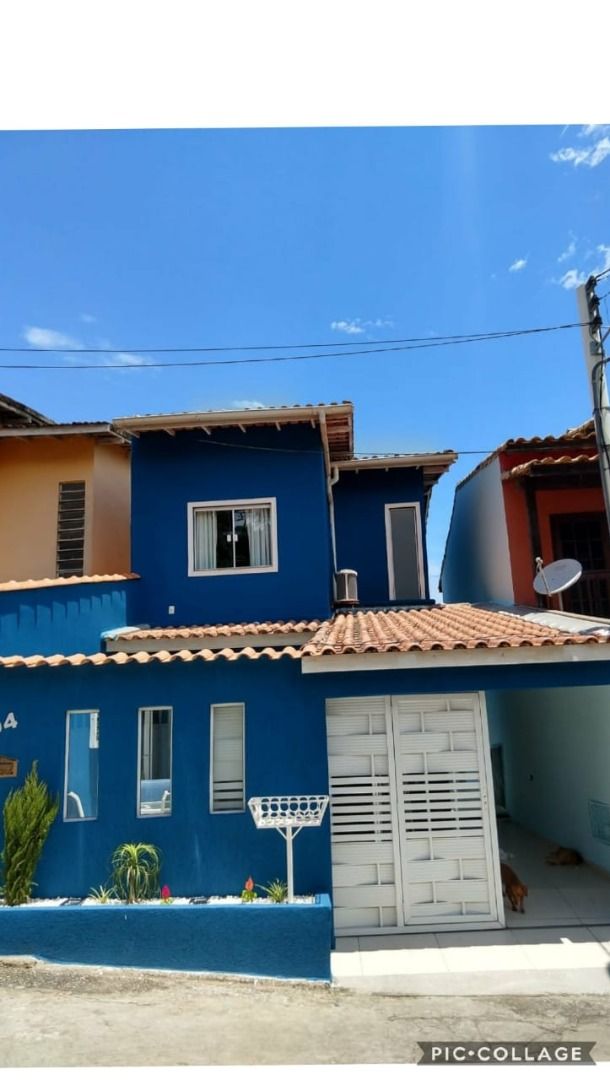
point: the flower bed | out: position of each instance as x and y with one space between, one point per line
223 935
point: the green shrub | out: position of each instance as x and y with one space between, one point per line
135 871
29 812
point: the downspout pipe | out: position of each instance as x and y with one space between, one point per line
332 476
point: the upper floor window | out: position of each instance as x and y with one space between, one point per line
584 537
71 528
404 551
232 537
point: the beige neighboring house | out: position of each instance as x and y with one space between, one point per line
64 497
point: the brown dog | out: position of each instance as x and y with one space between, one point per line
563 856
514 890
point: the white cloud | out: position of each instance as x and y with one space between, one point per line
519 264
591 155
86 318
360 326
348 326
569 251
574 277
378 322
592 129
128 359
247 404
43 338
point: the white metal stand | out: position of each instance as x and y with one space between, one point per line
288 814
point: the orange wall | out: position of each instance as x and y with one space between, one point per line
110 533
559 501
30 472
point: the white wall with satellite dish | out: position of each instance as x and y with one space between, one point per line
554 578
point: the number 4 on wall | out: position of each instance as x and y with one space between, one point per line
10 722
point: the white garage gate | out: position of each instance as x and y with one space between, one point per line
414 840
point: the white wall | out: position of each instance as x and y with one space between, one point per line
561 739
477 557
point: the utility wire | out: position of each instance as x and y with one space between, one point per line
259 348
380 454
417 343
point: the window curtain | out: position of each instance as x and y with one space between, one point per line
204 540
258 524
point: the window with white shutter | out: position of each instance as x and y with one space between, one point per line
227 780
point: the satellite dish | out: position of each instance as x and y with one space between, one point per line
557 576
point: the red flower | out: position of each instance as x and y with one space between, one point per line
249 885
165 892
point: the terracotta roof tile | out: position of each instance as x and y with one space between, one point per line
535 463
444 627
162 657
46 583
175 633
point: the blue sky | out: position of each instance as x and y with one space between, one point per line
128 239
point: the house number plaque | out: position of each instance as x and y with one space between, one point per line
8 767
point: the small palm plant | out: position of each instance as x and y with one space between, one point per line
135 871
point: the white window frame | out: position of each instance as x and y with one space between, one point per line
233 704
418 543
233 504
155 813
69 713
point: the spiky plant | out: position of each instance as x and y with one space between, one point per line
276 890
29 812
103 894
135 871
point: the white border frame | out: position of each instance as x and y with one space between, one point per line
232 704
69 713
233 504
156 813
418 541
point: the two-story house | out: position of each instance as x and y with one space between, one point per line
240 661
542 497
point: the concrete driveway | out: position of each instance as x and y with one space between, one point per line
65 1016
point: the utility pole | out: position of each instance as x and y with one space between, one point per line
593 345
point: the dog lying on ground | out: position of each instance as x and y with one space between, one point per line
514 889
563 856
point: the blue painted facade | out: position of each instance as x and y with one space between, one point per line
290 942
285 753
61 619
360 500
168 472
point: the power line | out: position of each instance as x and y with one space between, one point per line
258 348
379 454
413 344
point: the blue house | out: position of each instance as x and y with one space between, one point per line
276 636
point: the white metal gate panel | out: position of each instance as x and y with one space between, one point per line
412 841
443 819
365 853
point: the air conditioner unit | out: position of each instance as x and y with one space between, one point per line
346 587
